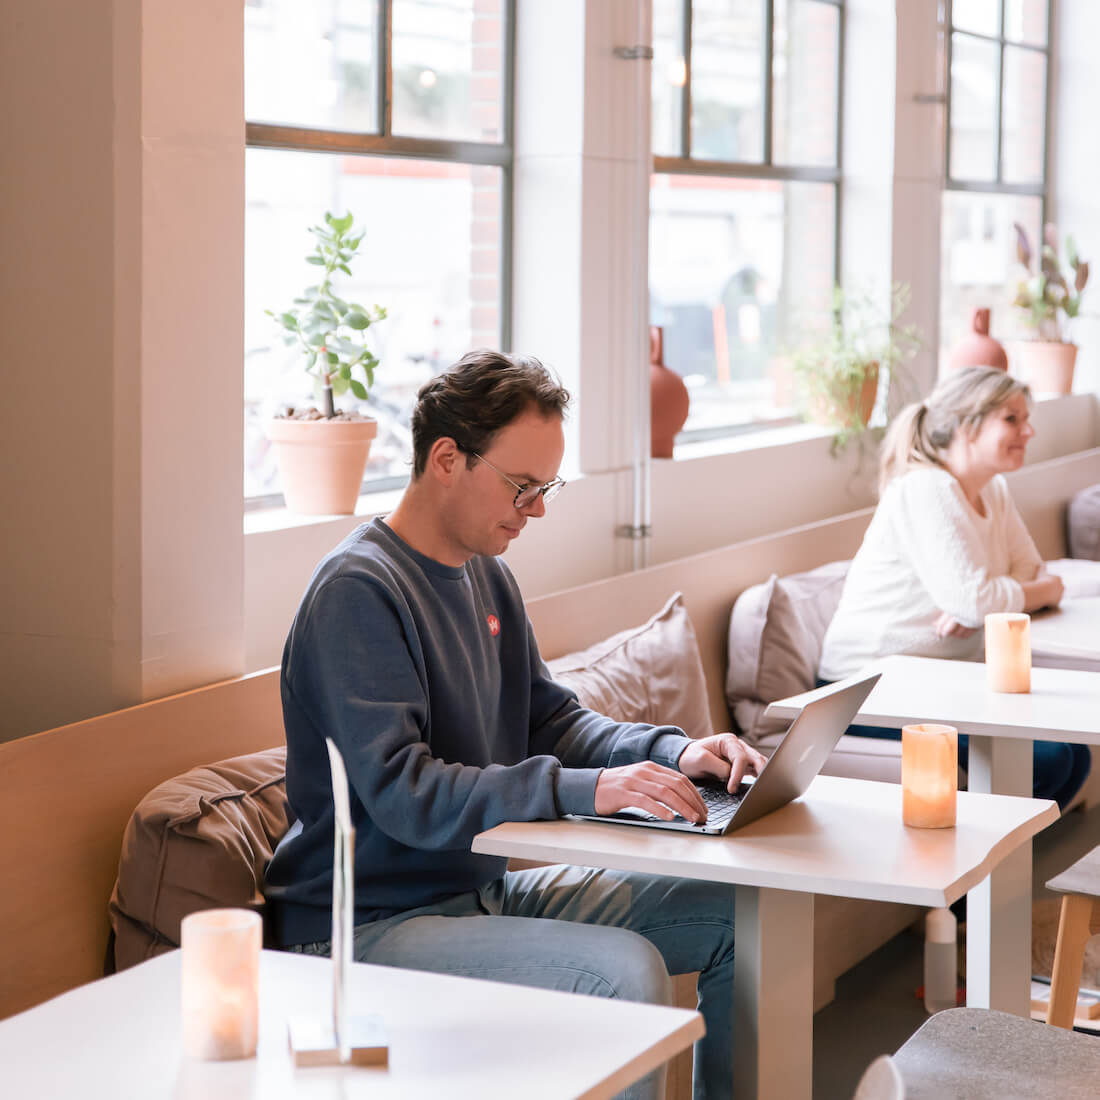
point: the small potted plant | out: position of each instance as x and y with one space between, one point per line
321 452
838 368
1046 298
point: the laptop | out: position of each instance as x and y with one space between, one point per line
802 753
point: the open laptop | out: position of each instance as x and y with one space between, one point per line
799 757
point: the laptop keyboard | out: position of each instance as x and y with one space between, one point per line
720 804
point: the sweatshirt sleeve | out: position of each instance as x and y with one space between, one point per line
935 529
585 741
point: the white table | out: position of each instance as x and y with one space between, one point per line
1064 705
845 837
1068 636
448 1037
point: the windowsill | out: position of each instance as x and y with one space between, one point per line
766 436
367 506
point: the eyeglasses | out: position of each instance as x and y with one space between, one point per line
526 495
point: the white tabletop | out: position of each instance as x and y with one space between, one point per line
448 1037
1063 705
1069 633
844 836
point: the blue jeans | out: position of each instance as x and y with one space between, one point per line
582 930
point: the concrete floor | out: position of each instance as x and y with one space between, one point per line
876 1008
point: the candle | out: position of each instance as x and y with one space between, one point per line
1008 651
929 775
220 979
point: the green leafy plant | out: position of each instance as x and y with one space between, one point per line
1045 294
331 331
838 367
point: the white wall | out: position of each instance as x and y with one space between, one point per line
120 329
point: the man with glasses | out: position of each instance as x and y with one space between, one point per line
412 650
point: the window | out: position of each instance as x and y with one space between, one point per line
397 111
744 196
999 61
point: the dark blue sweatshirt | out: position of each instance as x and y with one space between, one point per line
428 678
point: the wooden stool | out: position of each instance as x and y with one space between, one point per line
1079 920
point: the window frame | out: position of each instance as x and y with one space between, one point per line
998 185
766 169
383 143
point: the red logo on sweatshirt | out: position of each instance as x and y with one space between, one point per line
494 625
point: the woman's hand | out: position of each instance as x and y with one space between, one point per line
947 627
1046 590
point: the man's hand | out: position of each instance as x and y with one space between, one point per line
651 787
721 756
947 627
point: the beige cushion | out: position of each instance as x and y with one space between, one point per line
649 673
775 636
199 841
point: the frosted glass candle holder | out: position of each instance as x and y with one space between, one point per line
1008 651
929 775
220 983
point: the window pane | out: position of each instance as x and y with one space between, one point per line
974 65
669 76
804 66
733 265
410 209
978 261
448 69
312 64
1024 110
980 16
727 80
1026 21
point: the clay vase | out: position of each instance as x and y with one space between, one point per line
668 398
978 348
321 462
1045 365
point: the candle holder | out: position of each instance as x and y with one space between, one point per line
341 1037
220 982
929 775
1008 652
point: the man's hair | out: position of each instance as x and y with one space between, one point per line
483 392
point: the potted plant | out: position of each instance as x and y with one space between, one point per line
838 369
321 452
1046 297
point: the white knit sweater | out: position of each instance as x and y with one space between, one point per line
928 551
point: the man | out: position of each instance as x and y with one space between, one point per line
412 651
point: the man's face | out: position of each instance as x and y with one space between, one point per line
481 517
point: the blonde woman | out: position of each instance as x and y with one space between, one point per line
946 546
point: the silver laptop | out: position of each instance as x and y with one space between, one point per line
802 753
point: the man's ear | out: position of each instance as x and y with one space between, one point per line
445 460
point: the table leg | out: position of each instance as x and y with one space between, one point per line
773 994
998 951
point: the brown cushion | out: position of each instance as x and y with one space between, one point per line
1083 524
649 673
199 841
775 636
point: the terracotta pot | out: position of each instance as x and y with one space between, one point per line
978 348
321 462
1045 365
845 408
669 400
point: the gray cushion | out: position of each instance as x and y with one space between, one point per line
775 636
1083 524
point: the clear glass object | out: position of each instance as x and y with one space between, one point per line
940 960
